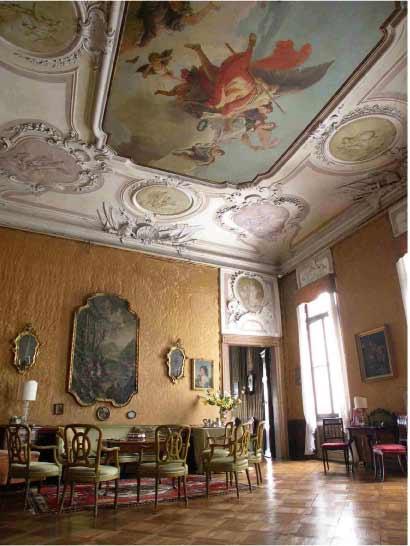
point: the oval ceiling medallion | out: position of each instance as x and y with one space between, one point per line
362 139
43 28
264 221
163 200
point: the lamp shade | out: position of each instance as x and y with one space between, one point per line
30 390
360 402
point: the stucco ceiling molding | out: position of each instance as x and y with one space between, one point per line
92 37
294 210
36 157
195 201
398 218
117 222
326 130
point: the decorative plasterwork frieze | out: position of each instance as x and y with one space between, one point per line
373 187
94 37
326 130
315 268
262 214
160 200
35 157
249 304
145 230
398 218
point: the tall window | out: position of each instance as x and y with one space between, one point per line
324 381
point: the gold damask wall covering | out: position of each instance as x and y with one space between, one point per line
45 279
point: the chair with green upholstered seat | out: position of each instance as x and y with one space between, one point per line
83 465
236 461
171 450
220 444
21 465
255 455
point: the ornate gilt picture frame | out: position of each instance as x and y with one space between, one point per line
104 352
176 362
202 374
25 348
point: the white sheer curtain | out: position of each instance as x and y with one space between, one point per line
402 268
337 368
308 398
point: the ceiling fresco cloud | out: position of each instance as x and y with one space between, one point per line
218 91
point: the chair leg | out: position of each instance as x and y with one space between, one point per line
174 483
227 480
185 493
62 497
58 488
207 482
249 479
351 453
324 459
327 460
26 493
260 473
72 493
95 499
116 494
156 492
236 484
179 487
231 478
346 456
138 489
257 473
382 466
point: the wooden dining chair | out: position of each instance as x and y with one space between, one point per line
171 450
82 464
335 440
21 465
255 455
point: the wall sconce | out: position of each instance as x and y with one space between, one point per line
29 395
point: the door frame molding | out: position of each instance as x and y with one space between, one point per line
278 384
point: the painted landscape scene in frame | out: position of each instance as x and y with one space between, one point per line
218 91
104 352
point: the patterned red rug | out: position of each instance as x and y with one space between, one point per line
46 500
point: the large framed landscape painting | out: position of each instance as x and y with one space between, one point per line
219 91
375 354
104 353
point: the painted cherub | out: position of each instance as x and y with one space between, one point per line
157 64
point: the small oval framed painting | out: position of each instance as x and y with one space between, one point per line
103 413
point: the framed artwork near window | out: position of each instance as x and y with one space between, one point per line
375 354
202 374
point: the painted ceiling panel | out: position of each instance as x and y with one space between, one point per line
96 145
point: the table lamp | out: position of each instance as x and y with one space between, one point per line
29 395
359 412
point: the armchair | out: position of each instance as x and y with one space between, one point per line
82 466
171 450
255 455
21 465
236 460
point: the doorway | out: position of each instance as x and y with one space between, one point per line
250 380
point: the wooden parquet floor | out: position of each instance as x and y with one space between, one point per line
297 504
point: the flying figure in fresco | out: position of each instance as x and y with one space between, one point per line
202 154
157 64
174 16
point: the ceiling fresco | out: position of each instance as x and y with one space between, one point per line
219 90
247 135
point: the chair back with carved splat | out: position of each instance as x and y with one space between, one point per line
78 445
172 443
239 447
18 444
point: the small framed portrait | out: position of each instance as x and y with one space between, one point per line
202 374
375 354
58 409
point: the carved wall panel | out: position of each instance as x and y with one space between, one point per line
315 268
249 303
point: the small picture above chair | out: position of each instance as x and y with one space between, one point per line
202 374
176 362
25 348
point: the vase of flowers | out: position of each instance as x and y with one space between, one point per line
223 401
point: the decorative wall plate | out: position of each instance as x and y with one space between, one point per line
102 413
131 414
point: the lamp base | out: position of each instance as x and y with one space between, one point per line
26 406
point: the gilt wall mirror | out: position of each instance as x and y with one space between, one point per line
176 362
25 348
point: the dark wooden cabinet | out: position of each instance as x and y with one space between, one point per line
296 438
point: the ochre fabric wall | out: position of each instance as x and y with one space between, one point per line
369 296
45 279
